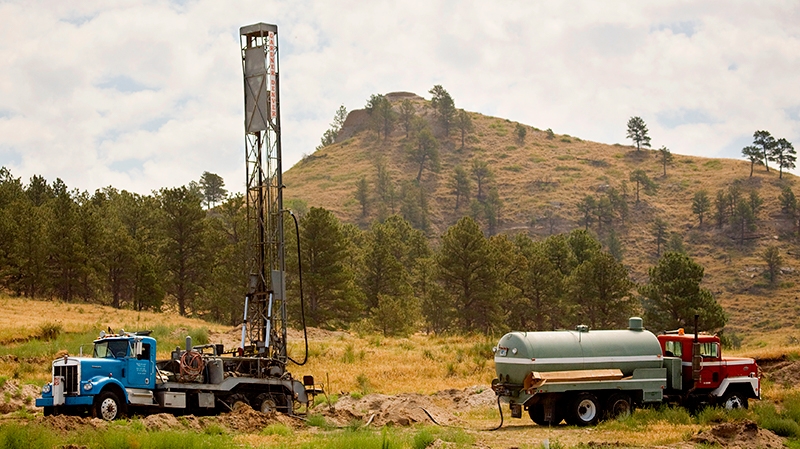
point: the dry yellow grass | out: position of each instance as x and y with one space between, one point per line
21 318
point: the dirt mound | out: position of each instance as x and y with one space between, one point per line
15 397
468 398
785 372
380 410
245 419
743 435
66 423
161 421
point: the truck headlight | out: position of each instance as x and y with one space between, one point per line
46 388
88 386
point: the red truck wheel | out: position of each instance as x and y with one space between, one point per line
733 399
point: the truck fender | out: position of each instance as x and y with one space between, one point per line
750 385
101 383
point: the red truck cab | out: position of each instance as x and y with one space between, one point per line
727 381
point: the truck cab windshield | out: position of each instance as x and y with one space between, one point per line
111 349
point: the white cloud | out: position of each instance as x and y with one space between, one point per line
148 94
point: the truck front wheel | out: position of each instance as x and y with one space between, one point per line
733 399
107 406
584 410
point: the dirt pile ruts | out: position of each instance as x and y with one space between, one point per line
741 435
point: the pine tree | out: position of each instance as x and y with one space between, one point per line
643 182
329 284
184 251
666 158
637 131
601 290
407 114
213 189
444 108
465 270
701 205
460 185
754 155
673 296
464 124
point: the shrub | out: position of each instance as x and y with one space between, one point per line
199 335
364 384
50 331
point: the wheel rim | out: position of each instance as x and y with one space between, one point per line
621 408
268 406
108 409
733 402
587 410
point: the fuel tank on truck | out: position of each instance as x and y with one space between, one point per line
519 353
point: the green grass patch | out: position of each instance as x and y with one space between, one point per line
31 436
331 399
516 168
318 421
712 164
565 168
565 157
277 429
351 355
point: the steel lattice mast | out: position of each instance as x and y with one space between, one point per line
265 310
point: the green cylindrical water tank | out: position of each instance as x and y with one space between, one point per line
519 353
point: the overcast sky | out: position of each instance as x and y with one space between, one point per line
147 94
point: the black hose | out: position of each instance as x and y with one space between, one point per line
302 301
500 409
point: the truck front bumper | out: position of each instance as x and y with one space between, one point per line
68 401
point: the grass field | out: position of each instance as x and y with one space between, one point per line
33 332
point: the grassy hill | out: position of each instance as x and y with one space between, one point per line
542 180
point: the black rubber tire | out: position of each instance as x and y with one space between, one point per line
108 406
237 400
618 405
266 403
584 410
48 411
733 400
536 412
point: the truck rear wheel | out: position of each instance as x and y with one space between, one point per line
618 406
265 403
536 412
237 401
584 410
107 406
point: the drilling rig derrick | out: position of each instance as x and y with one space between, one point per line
264 326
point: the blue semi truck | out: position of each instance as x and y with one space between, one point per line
123 376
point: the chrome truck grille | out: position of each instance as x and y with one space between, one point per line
69 370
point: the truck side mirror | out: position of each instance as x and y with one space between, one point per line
137 348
